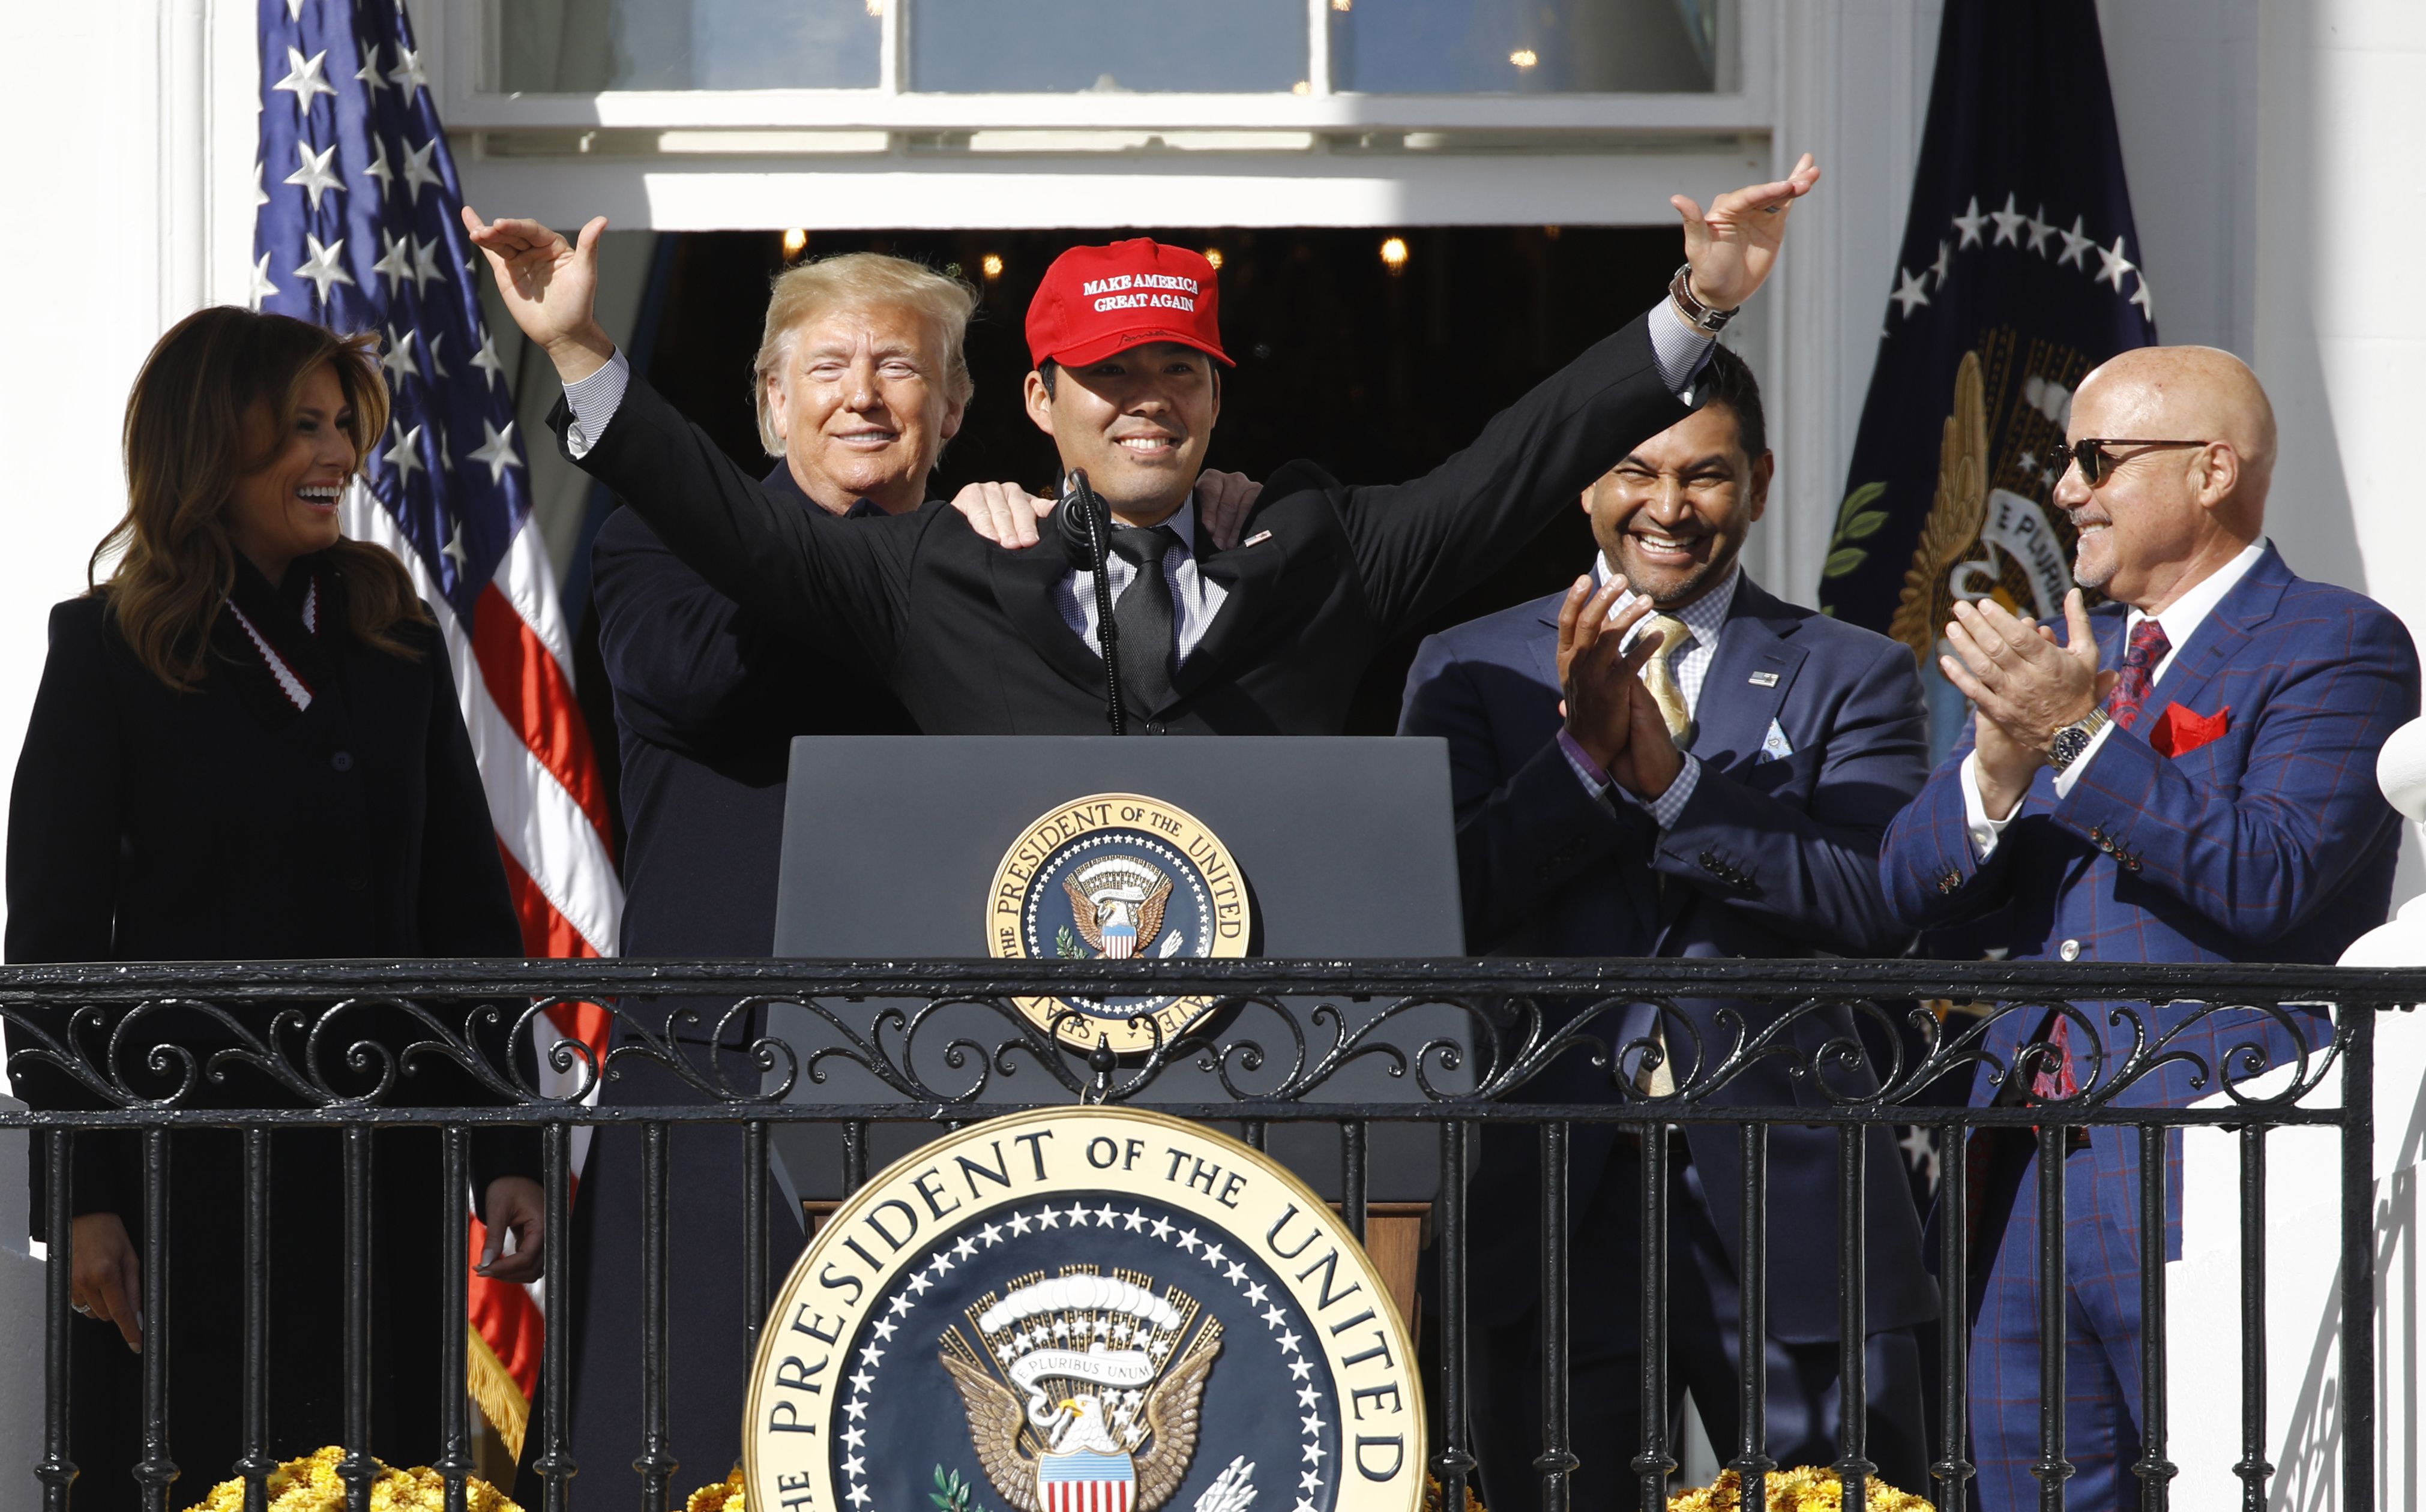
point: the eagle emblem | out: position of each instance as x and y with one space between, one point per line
1117 903
1083 1389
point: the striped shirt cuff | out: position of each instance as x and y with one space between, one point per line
593 401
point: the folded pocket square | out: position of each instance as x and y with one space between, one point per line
2178 732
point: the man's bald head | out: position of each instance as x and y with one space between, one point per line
2197 393
2163 518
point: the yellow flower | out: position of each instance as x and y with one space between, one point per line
724 1496
1803 1489
312 1484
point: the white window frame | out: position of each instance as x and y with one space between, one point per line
1743 104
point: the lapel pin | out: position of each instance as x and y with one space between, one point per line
1258 536
1763 680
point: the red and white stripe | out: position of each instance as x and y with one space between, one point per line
1086 1496
513 675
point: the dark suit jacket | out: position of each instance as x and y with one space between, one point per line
1769 858
147 825
969 637
707 699
2270 843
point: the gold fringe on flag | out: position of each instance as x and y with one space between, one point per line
493 1387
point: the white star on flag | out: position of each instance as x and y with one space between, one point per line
408 71
1943 264
320 266
303 78
260 195
498 451
378 169
1969 222
425 264
2074 244
2140 295
2112 265
315 174
418 174
262 287
368 75
2008 224
486 360
405 453
437 368
454 550
2040 232
395 261
397 358
1910 292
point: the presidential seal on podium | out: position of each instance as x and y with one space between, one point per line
1117 877
1084 1310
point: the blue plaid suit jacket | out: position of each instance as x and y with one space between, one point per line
2270 843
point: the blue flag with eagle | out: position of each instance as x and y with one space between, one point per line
2019 272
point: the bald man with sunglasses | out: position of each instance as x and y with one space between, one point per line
2186 773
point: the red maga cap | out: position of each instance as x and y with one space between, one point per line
1098 300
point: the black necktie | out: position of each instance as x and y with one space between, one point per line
1143 617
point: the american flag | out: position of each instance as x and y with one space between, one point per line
357 227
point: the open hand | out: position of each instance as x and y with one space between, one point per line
515 1205
2024 683
550 287
1734 245
1003 513
1599 681
1222 500
106 1279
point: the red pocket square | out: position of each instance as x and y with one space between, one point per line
2179 732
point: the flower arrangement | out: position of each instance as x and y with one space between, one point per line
312 1485
1803 1489
724 1496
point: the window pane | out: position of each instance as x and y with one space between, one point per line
577 46
985 46
1523 46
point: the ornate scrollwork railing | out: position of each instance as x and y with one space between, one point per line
946 1037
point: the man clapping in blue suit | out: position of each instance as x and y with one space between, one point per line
2185 774
1718 786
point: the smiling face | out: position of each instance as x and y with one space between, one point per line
287 506
1138 422
2161 521
860 406
1674 515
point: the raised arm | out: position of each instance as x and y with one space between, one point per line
813 575
1420 543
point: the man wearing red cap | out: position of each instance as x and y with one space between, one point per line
1268 637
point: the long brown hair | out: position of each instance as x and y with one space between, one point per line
186 442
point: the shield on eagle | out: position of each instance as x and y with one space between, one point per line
1083 1389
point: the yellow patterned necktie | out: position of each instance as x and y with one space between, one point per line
1659 674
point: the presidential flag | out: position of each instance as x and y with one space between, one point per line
2019 272
359 228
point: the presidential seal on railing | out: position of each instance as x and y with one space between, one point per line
1117 877
1084 1310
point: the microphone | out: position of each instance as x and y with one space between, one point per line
1086 527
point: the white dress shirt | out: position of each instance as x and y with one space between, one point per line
2181 621
1195 599
1703 620
1677 346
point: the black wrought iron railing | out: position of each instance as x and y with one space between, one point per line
1450 1046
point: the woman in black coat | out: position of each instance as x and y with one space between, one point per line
246 747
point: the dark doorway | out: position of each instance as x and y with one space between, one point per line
1376 374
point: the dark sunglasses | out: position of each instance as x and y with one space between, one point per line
2096 462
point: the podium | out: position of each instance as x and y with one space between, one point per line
958 847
